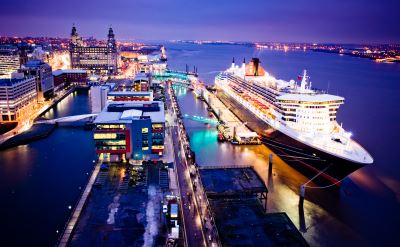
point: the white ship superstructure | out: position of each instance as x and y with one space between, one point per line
296 110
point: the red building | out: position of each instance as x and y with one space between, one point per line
64 78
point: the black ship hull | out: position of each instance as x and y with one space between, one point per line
309 160
304 158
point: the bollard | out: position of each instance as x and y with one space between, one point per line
302 194
270 165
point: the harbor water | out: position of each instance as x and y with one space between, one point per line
39 181
364 211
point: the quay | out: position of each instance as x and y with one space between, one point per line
36 132
64 241
232 128
24 127
37 128
122 206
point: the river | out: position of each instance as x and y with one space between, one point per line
365 209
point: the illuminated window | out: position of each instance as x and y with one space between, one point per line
157 126
145 148
105 136
145 130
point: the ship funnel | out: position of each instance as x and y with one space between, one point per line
256 63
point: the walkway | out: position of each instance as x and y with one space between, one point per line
226 115
78 209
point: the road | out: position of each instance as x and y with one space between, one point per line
200 230
190 214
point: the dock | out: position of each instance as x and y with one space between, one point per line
232 128
71 225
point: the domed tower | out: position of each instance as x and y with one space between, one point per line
75 39
111 38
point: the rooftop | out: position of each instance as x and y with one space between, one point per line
8 50
141 76
235 196
145 93
34 63
131 114
244 223
115 213
125 112
67 71
9 82
231 181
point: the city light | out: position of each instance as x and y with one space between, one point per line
233 136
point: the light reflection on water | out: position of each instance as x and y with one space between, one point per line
39 180
73 104
365 211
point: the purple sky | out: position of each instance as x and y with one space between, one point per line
345 21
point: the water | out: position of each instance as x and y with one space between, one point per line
75 103
365 211
40 180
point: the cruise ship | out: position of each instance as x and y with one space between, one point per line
298 122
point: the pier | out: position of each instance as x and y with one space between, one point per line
232 128
78 209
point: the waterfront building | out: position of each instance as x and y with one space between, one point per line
130 130
141 82
11 59
98 97
94 59
17 97
130 96
44 78
66 77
